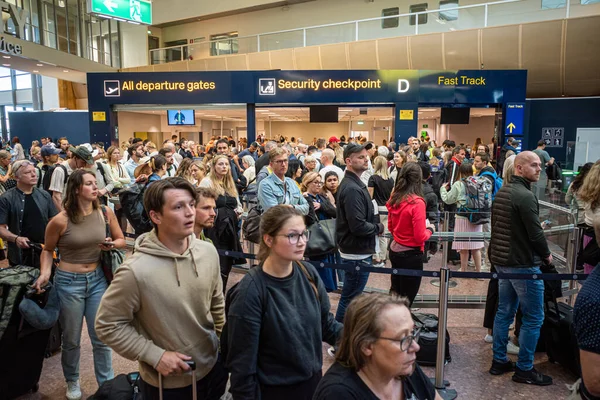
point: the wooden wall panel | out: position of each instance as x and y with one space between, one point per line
216 64
461 49
426 51
333 56
542 58
259 61
197 65
237 63
307 57
500 47
363 54
582 57
393 53
283 59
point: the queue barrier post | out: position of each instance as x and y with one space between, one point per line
575 243
440 384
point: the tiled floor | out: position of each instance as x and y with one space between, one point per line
467 373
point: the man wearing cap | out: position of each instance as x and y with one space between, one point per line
81 157
24 213
50 156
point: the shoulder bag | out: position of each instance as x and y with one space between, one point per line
110 260
321 239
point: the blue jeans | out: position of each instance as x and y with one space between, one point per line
354 283
80 295
530 295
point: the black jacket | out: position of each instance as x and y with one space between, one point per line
518 239
505 149
327 209
431 204
356 225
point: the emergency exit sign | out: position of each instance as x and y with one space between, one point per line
137 11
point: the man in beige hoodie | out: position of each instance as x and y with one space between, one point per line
165 305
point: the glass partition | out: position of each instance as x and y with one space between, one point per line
331 34
283 40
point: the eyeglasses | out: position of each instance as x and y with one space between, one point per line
407 341
317 183
280 162
294 237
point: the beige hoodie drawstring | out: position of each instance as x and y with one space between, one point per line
194 262
177 271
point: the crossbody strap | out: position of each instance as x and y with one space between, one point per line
105 214
311 280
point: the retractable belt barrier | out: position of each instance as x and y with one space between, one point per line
361 266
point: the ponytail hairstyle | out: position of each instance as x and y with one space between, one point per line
157 163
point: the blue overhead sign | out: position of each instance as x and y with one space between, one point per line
515 117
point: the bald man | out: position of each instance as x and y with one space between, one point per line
518 246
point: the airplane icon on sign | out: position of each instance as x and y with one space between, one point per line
112 88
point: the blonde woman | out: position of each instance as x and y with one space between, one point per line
589 194
119 175
184 170
228 207
399 160
197 172
380 187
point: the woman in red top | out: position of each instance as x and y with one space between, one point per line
409 227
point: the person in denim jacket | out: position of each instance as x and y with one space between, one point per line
277 188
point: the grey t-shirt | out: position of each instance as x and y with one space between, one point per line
543 155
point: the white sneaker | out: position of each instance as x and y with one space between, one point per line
73 390
488 339
471 263
511 348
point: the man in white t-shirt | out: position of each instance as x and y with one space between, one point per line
327 158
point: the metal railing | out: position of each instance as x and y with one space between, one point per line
494 13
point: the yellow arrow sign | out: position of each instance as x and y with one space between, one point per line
510 127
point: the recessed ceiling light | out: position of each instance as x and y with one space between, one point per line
6 65
65 70
5 56
40 65
35 71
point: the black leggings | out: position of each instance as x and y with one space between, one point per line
406 285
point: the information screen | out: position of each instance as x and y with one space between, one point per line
181 117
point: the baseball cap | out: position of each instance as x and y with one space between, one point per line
334 139
352 148
83 153
49 149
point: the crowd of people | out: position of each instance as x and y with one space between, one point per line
167 302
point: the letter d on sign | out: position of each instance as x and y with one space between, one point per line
403 86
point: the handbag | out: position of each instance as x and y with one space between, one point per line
321 239
112 259
428 340
251 226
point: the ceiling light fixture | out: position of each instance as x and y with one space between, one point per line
40 65
35 71
65 70
5 56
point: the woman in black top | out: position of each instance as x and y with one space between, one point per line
380 188
319 209
384 367
279 317
330 185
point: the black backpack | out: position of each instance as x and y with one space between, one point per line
132 204
48 177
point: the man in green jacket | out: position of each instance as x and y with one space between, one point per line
518 246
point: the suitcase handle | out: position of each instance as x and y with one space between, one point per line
192 365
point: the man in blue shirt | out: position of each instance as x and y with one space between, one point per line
250 151
136 152
277 188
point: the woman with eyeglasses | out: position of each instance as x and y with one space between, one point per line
377 356
279 317
319 209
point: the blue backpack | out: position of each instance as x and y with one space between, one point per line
497 182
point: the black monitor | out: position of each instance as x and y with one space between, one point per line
455 116
324 114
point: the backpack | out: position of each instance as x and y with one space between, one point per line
132 204
13 281
438 177
101 169
497 182
479 200
48 177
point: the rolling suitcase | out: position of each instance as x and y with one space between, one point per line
192 365
428 339
559 336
